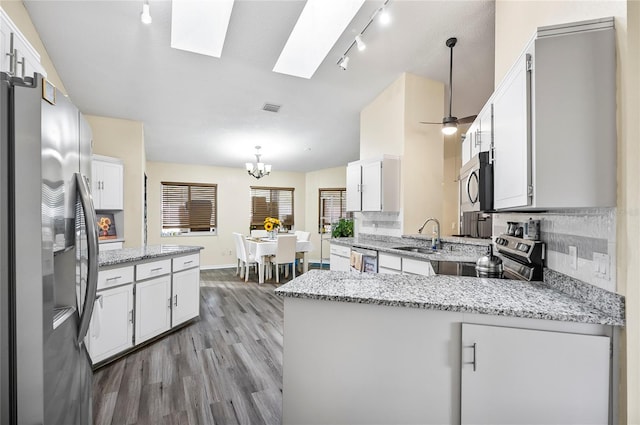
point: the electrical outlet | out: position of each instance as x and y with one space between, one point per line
601 265
573 257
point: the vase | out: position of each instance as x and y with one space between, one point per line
273 234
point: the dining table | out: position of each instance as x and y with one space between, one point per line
263 248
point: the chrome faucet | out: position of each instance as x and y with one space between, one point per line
437 227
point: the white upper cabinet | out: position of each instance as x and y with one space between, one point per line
374 185
554 123
107 183
18 57
484 136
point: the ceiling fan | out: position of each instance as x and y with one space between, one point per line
450 123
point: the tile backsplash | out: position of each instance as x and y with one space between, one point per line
378 223
591 231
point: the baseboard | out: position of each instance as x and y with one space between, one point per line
218 266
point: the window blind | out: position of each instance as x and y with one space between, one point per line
332 205
191 206
271 202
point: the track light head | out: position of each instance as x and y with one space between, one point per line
383 16
344 63
361 45
145 15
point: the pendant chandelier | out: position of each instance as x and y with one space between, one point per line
259 169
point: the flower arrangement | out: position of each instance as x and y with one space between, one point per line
271 224
104 224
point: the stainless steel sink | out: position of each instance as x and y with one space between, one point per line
421 250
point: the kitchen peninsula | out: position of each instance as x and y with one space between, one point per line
142 293
365 348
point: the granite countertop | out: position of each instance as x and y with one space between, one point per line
127 255
501 297
453 248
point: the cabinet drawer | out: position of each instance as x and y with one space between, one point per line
343 251
186 262
390 261
115 277
421 267
156 268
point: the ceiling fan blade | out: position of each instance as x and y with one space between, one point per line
467 120
426 122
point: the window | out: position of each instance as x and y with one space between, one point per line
332 205
271 202
188 207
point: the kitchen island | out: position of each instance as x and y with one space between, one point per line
143 293
368 348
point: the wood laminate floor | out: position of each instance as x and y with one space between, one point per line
225 368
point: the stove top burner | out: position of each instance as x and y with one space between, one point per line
522 258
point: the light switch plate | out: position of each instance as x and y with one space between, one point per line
601 265
573 257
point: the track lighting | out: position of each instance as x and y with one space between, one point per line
145 15
343 62
383 16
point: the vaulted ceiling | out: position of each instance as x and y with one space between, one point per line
205 110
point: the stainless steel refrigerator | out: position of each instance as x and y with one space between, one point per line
48 255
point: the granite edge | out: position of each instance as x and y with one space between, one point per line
184 249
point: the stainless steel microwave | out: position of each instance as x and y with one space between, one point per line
476 184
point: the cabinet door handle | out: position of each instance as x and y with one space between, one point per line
12 56
187 262
131 316
22 63
156 269
175 300
113 278
474 361
169 303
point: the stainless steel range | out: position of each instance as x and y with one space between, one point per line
523 259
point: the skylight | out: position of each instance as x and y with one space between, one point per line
318 28
200 26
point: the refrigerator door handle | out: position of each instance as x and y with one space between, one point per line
92 255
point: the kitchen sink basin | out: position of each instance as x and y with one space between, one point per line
421 250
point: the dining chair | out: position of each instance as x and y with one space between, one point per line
257 233
285 254
245 259
303 237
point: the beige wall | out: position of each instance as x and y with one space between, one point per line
18 14
124 139
233 205
390 125
516 22
329 178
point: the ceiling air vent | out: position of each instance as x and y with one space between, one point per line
270 107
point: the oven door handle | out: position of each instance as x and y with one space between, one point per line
473 174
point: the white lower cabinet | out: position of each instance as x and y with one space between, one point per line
186 296
419 267
535 377
111 329
340 258
153 307
389 264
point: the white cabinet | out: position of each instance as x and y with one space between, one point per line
107 179
472 136
389 264
153 307
555 121
185 296
415 266
511 138
340 258
111 329
534 377
374 185
466 147
484 133
17 57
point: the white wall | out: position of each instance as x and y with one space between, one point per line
234 205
